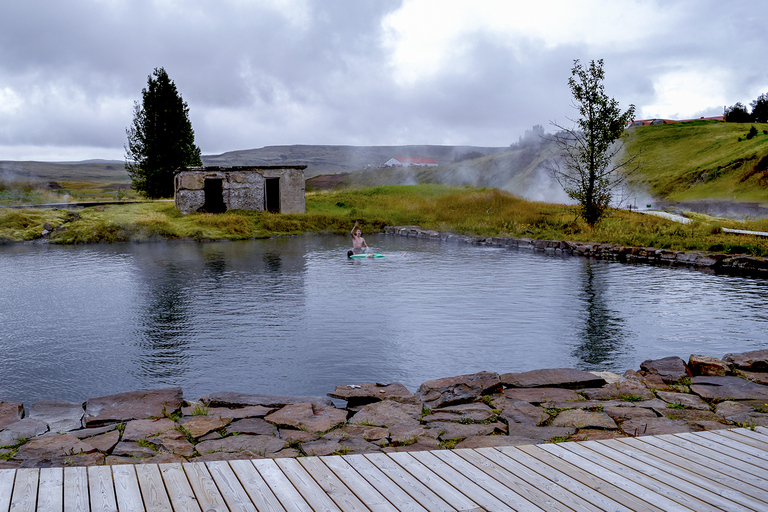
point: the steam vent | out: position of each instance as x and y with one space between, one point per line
278 189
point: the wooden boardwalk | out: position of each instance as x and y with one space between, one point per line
717 470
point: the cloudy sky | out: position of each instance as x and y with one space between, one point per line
361 72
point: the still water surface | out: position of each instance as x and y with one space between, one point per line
295 316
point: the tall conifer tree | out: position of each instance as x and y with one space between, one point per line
161 138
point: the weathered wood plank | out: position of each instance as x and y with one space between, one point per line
704 455
677 477
208 496
649 478
743 438
620 479
25 490
258 490
306 485
400 499
728 444
480 487
284 490
50 491
179 491
76 489
593 489
701 473
7 477
752 434
542 490
102 489
152 488
432 480
420 492
736 457
364 491
229 487
127 489
337 490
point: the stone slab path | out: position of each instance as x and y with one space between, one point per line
723 470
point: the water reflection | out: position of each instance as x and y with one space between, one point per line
602 336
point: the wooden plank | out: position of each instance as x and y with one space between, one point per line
337 490
418 491
762 430
258 490
306 485
50 490
752 434
620 479
179 491
208 496
438 485
701 473
400 499
679 478
76 489
729 444
544 490
592 487
651 480
127 489
732 450
483 486
743 438
280 485
229 486
102 490
705 456
152 488
7 477
24 498
365 492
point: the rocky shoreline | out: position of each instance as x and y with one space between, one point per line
484 409
713 262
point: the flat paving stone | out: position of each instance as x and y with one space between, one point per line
728 388
553 377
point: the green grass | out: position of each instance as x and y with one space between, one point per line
702 160
476 212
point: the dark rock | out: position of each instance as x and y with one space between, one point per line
59 415
755 360
461 431
137 430
461 389
258 445
364 394
387 413
89 432
579 418
622 414
308 416
684 399
173 441
252 426
757 377
22 429
670 369
285 453
728 388
10 412
104 442
625 389
553 377
518 411
475 411
132 449
291 437
198 426
542 434
131 406
689 415
321 447
541 395
77 459
251 411
706 365
235 400
655 427
52 445
218 456
371 434
415 447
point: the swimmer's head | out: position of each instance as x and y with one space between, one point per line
350 253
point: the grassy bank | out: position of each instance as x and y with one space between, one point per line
468 211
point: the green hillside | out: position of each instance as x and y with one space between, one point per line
701 160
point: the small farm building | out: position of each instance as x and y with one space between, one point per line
410 162
278 189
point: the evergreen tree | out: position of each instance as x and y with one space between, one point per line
760 109
161 138
589 168
737 113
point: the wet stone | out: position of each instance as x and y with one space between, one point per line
553 377
460 389
541 395
132 405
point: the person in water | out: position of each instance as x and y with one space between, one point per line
372 255
357 240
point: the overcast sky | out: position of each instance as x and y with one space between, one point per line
362 72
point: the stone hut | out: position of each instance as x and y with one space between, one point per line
273 188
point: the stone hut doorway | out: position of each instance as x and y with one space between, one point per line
272 195
214 195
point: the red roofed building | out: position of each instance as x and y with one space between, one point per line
410 162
